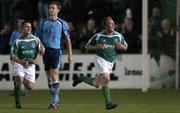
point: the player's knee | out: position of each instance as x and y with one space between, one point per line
97 85
106 78
18 85
29 86
105 85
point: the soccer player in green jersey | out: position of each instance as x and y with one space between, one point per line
25 52
106 44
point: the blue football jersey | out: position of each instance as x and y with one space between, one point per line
51 32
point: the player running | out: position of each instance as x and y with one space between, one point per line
25 53
106 44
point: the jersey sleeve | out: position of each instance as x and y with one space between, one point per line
92 41
122 40
66 30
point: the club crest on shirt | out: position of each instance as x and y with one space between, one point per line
66 32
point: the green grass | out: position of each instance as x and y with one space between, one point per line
91 101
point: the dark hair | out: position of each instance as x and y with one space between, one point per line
25 21
56 3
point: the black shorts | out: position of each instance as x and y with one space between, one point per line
52 58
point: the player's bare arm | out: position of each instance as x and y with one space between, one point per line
35 61
19 61
96 47
42 48
69 47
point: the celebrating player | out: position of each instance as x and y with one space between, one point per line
51 31
25 53
105 43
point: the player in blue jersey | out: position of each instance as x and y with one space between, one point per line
51 31
16 33
106 44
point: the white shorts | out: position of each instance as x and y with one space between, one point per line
103 66
28 73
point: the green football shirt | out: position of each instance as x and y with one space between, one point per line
109 53
26 48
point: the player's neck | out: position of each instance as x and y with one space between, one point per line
109 32
26 35
53 17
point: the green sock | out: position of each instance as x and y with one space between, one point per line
87 80
17 95
106 94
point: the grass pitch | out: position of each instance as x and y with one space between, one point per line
91 101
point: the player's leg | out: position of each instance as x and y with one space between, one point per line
18 71
17 90
29 77
104 68
29 80
50 86
51 89
85 79
89 80
46 61
28 84
53 82
104 81
24 90
82 78
55 87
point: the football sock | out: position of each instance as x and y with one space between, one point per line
51 90
106 94
87 80
17 95
56 86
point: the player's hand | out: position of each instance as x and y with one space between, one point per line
23 62
120 46
33 62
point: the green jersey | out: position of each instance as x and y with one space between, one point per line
109 53
26 48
